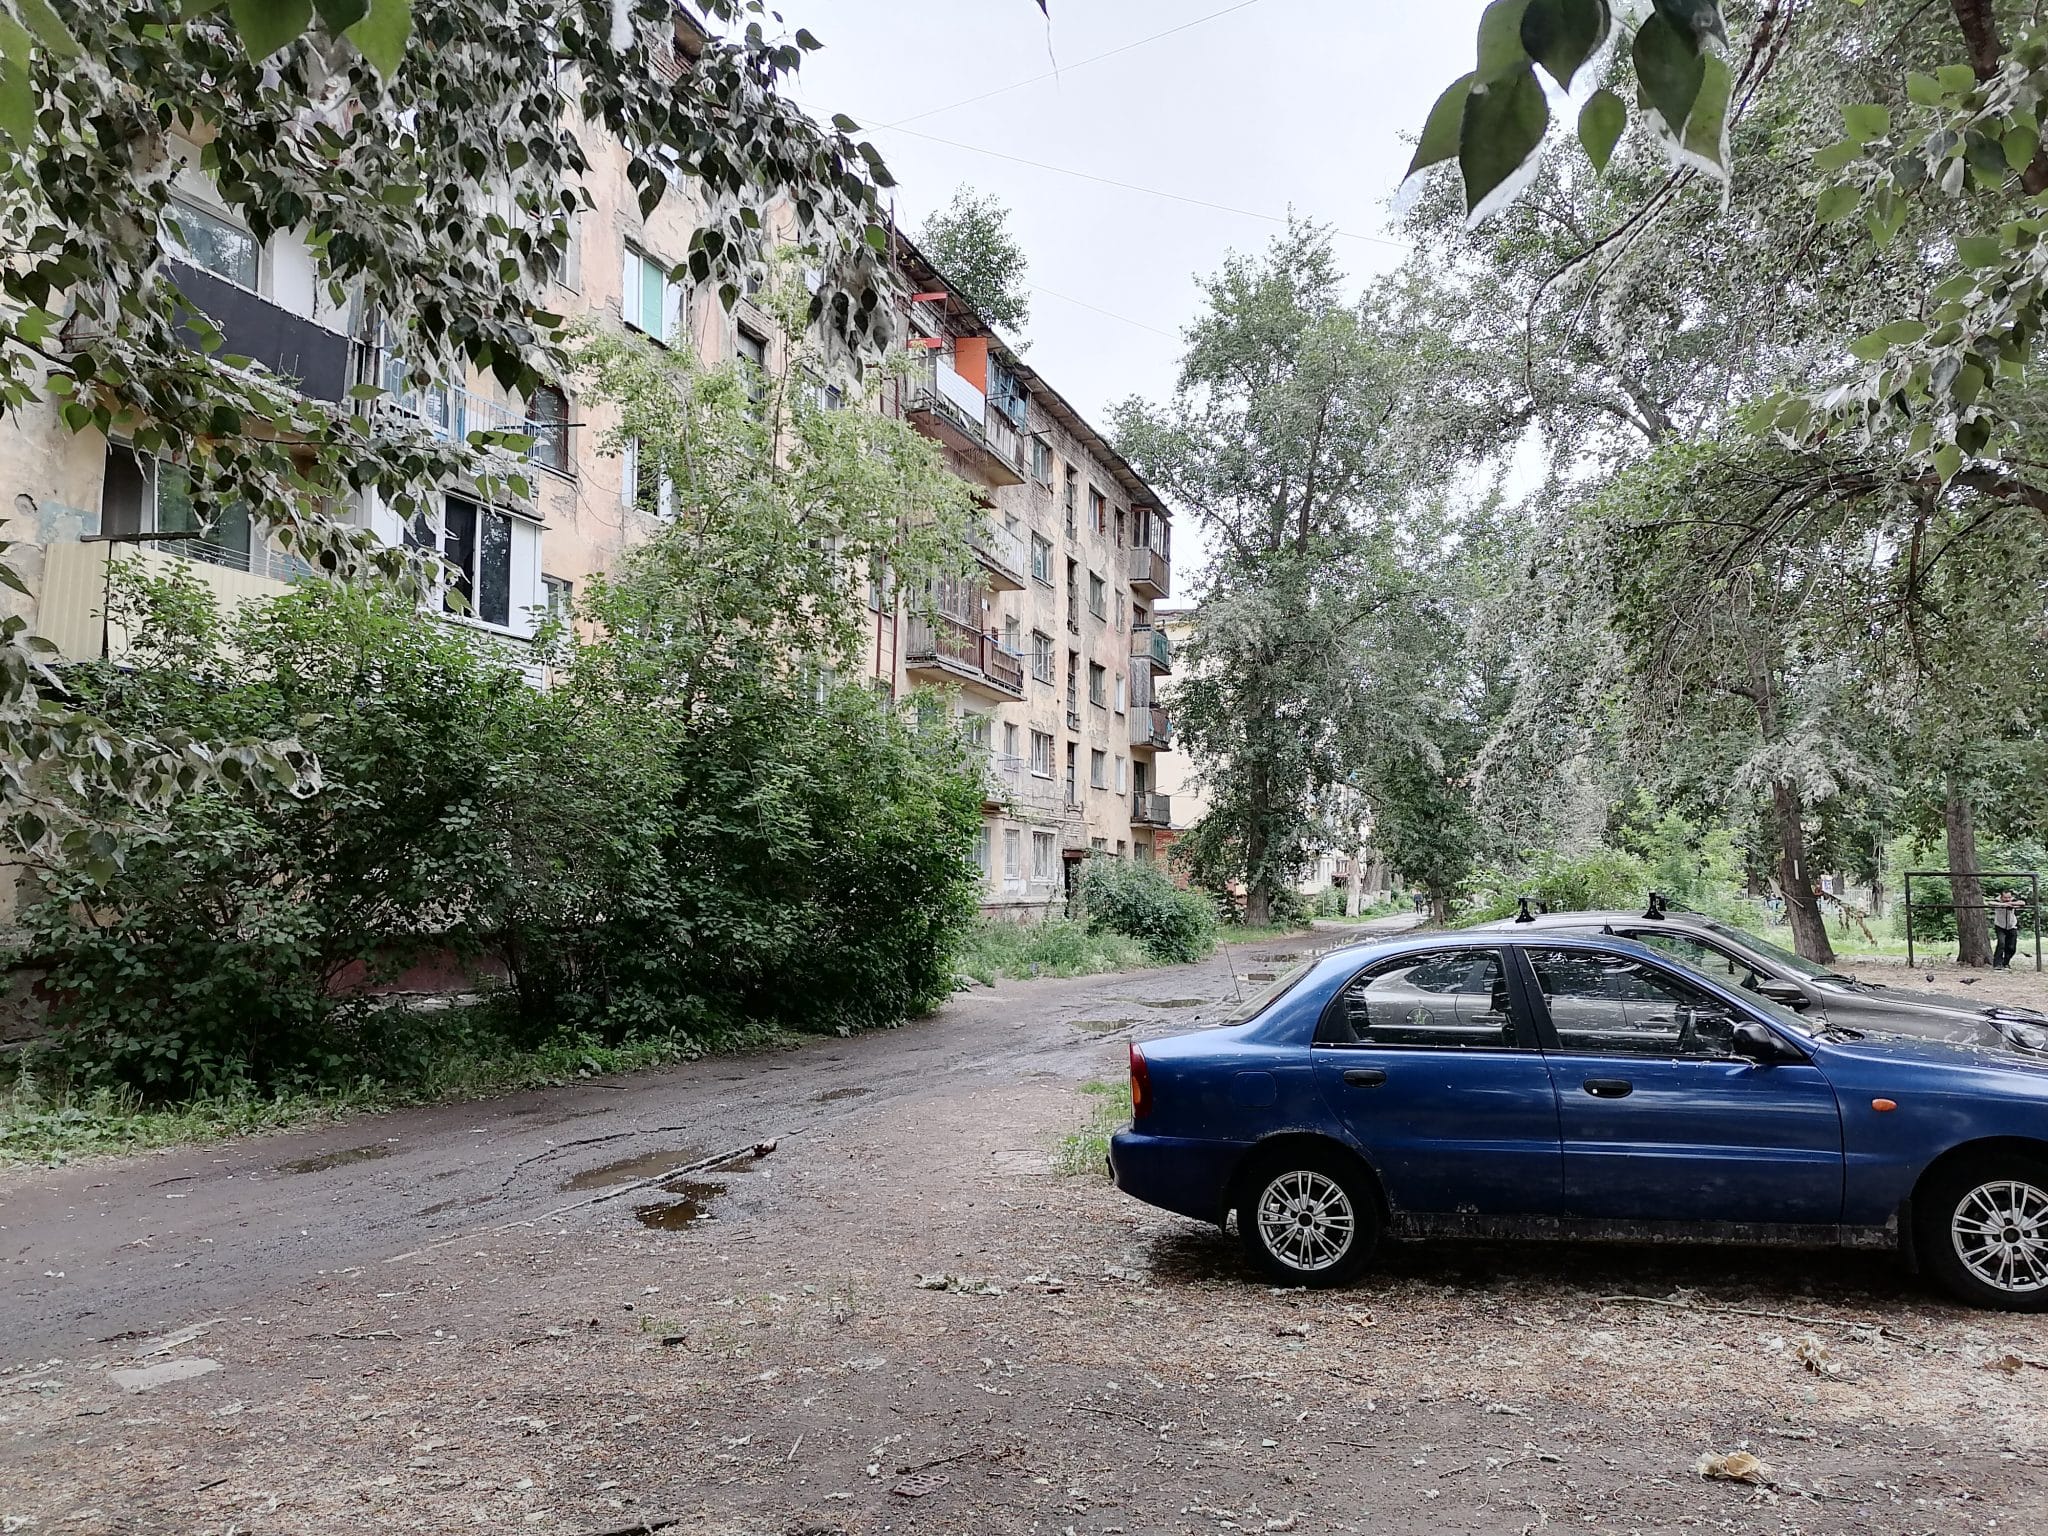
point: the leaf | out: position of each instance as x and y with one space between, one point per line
1670 70
1562 34
1956 79
267 25
1836 156
1694 19
1866 121
1948 459
1601 122
2020 146
17 84
1980 250
1504 123
1440 134
48 27
383 33
1500 39
1706 129
1923 89
1837 203
337 16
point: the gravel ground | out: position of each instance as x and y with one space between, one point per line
755 1353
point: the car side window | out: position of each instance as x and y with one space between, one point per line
1444 999
1612 1005
1704 958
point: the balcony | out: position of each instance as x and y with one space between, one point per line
1151 575
447 410
1002 554
950 651
288 345
1151 729
948 409
74 590
1150 644
1151 810
1010 784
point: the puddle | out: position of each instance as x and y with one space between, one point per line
1102 1026
327 1160
1279 957
832 1095
1260 976
644 1165
692 1205
1169 1002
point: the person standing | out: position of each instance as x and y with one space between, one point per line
2005 928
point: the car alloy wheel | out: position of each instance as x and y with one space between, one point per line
2000 1232
1306 1220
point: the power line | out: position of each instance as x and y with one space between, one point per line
1067 298
1004 90
1124 186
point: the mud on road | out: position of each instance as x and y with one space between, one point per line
901 1320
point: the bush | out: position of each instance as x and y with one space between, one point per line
1058 946
1328 902
1140 901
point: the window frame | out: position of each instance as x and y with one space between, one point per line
558 433
184 253
1527 1037
638 256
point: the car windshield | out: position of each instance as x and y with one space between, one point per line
1797 963
1252 1004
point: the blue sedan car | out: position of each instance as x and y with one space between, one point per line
1567 1085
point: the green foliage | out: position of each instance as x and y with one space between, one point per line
1085 1152
1141 901
1058 946
969 241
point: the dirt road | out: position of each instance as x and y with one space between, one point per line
409 1323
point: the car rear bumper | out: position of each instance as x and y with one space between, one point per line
1176 1173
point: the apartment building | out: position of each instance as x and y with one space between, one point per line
1049 651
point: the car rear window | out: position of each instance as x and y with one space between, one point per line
1252 1004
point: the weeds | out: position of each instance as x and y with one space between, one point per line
442 1055
1055 947
1086 1151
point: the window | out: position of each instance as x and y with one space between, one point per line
1122 606
1041 656
975 729
547 419
477 541
1119 847
570 275
1041 462
1013 635
1606 1005
1099 844
982 859
643 486
1119 693
753 352
1098 515
1044 857
832 397
1041 561
1098 769
213 244
1444 999
1041 754
1013 854
1009 738
648 300
1687 950
1096 680
1073 774
1098 596
1121 783
1119 527
560 601
1142 852
1073 491
141 495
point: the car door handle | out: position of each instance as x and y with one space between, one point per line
1609 1087
1364 1077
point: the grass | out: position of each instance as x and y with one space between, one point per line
1056 947
48 1120
1086 1151
1235 934
1383 909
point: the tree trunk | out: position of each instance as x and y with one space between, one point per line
1802 907
1258 907
1354 899
1439 910
1980 35
1973 935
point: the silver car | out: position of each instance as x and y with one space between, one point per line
1830 998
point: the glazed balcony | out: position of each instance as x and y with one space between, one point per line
950 652
951 411
1002 554
288 345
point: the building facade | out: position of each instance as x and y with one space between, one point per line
1049 653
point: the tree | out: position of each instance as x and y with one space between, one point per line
374 127
970 241
1282 438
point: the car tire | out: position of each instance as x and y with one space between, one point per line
1308 1218
1982 1232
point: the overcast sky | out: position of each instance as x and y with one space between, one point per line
1276 103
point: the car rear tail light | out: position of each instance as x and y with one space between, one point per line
1141 1085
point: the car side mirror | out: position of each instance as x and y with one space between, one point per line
1787 993
1754 1042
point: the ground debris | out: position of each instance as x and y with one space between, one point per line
920 1484
959 1285
148 1378
1734 1467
